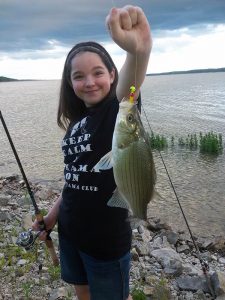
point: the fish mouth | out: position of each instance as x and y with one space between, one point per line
125 103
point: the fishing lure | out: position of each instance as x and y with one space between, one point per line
131 96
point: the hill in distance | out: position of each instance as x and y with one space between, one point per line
188 72
5 79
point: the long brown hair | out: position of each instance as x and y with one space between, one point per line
70 106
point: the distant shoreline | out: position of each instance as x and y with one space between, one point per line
210 70
7 79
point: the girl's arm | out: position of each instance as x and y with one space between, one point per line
129 28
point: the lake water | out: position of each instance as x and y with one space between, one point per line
175 105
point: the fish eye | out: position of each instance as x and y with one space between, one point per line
130 118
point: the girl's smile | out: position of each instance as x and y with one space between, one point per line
90 78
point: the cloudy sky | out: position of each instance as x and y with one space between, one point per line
35 36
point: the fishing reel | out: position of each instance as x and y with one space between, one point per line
26 239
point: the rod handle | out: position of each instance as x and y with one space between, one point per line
48 241
52 252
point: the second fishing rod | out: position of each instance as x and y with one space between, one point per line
27 239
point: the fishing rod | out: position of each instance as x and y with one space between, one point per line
204 265
27 239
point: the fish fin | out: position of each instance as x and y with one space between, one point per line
105 162
118 201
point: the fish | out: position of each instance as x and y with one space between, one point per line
132 161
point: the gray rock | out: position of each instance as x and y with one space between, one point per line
172 237
218 283
4 216
24 201
12 177
221 260
22 262
192 270
134 254
200 295
141 248
183 249
61 293
193 283
170 260
4 200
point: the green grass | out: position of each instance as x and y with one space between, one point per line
137 293
54 272
161 291
27 287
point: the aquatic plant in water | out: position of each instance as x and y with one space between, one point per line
210 142
190 141
158 141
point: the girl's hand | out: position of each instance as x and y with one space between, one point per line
129 28
49 224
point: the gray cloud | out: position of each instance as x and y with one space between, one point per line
28 25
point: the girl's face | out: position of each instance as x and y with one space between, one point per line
90 78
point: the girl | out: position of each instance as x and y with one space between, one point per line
95 239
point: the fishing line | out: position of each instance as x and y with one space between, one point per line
204 265
135 74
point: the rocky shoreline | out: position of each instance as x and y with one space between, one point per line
165 264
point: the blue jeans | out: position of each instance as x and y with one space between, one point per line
107 280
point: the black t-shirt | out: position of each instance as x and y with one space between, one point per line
84 217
